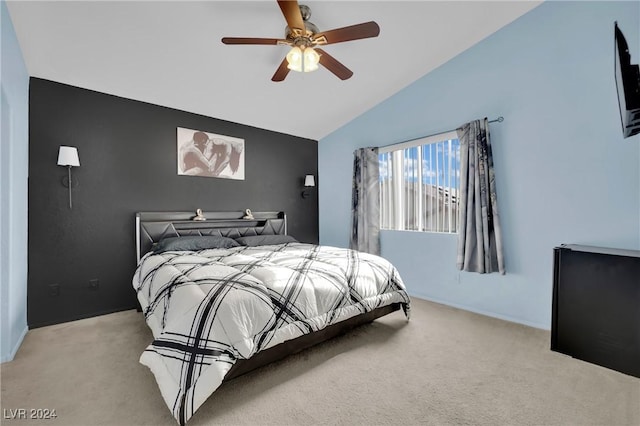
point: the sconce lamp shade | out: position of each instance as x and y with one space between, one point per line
309 181
68 156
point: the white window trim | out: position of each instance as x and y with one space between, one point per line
397 165
418 142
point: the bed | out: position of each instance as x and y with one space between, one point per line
227 292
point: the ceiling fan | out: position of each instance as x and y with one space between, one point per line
304 39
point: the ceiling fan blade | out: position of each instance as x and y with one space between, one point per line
291 12
353 32
333 65
249 40
281 72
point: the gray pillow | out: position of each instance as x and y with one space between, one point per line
264 240
193 243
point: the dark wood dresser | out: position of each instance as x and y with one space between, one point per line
596 306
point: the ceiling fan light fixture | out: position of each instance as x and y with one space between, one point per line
305 40
303 60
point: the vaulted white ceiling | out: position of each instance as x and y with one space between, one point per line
169 53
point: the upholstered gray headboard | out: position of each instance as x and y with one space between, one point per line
153 226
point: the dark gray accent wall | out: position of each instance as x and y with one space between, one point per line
128 163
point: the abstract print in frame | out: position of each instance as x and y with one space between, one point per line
209 154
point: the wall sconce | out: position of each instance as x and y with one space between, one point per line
68 156
309 182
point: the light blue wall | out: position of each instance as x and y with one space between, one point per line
564 172
14 163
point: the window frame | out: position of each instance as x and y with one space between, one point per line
397 164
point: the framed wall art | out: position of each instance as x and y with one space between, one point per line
209 154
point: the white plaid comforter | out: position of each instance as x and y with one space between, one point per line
209 308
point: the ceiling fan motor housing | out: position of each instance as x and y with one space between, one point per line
305 11
310 27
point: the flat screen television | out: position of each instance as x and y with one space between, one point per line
628 86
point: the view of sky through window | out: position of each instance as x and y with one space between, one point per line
419 187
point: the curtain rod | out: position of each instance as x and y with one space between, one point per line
497 120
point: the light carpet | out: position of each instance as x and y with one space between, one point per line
444 367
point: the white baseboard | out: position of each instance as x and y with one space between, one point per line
12 354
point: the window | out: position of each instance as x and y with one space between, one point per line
420 183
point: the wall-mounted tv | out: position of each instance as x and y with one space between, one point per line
628 86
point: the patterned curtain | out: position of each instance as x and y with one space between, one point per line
480 235
365 206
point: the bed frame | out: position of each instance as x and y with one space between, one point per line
151 227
